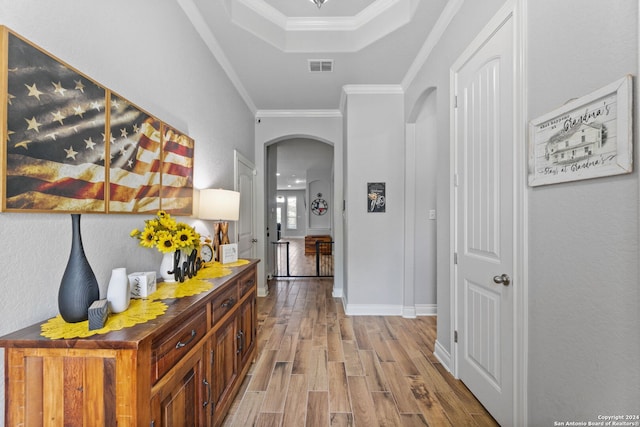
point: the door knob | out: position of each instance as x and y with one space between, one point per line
504 279
254 240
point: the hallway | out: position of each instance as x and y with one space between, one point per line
318 367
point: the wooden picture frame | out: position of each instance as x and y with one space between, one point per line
586 138
51 133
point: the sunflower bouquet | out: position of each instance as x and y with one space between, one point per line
166 234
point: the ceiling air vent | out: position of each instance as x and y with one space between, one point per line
320 65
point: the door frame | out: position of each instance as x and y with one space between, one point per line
237 159
516 10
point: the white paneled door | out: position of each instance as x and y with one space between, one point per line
245 184
484 217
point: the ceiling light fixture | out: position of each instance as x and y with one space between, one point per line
318 3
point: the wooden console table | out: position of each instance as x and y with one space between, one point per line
183 368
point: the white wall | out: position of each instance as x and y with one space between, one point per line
426 146
584 293
375 152
148 52
320 182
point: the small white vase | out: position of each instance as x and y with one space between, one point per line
166 266
119 291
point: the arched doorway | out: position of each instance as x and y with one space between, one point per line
300 202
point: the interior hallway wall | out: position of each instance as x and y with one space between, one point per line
375 151
148 52
426 204
584 293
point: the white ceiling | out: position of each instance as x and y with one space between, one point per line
296 157
264 45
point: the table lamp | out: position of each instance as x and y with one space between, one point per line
221 206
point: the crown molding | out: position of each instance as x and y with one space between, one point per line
373 89
367 90
299 114
300 34
194 15
445 18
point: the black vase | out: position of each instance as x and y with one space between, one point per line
79 287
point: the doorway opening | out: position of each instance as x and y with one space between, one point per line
300 211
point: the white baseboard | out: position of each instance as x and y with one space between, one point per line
409 312
427 309
337 293
263 291
443 356
373 310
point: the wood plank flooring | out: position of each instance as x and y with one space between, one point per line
318 367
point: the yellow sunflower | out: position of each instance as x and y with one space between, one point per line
168 222
165 242
166 234
184 237
148 237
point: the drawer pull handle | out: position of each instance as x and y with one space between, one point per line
228 303
206 383
181 344
240 338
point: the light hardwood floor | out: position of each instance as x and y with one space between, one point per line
318 367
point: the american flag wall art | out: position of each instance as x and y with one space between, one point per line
72 145
135 149
54 135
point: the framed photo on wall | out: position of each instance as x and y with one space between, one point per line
588 137
376 197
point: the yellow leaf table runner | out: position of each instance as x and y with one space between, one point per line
142 310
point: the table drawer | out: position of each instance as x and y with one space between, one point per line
166 350
246 283
223 303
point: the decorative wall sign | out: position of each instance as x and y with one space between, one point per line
228 253
586 138
376 197
63 137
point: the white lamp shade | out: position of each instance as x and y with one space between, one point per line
219 204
